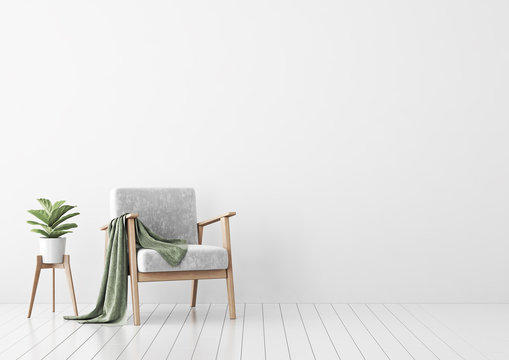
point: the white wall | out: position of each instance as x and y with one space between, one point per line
363 144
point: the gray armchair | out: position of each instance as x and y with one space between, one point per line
171 213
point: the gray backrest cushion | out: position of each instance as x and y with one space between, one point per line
169 212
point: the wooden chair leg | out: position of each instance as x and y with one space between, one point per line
38 267
136 301
231 293
133 270
229 271
194 292
67 267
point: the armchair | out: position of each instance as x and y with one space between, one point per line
171 213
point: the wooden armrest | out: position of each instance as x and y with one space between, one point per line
129 216
216 219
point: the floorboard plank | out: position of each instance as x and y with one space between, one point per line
319 338
186 340
19 318
166 337
464 349
9 311
208 342
117 343
230 344
34 350
414 346
341 338
253 341
78 338
484 326
140 343
433 342
276 344
9 318
362 337
298 340
98 339
385 339
31 331
73 343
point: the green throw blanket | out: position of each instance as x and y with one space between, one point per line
112 300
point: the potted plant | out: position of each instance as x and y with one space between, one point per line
52 244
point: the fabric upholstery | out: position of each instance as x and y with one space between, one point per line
198 257
168 212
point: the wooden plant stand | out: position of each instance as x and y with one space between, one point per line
66 265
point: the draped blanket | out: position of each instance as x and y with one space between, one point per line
112 300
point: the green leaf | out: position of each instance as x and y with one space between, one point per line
46 204
41 215
34 223
57 204
45 227
42 232
62 219
65 227
55 234
57 214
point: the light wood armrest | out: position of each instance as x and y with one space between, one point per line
216 219
129 216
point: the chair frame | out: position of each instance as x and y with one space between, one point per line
195 275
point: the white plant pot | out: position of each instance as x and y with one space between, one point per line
52 250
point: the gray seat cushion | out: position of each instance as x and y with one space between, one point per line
198 257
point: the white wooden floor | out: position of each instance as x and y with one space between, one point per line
264 331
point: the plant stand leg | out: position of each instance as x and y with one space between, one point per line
53 270
67 267
38 267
